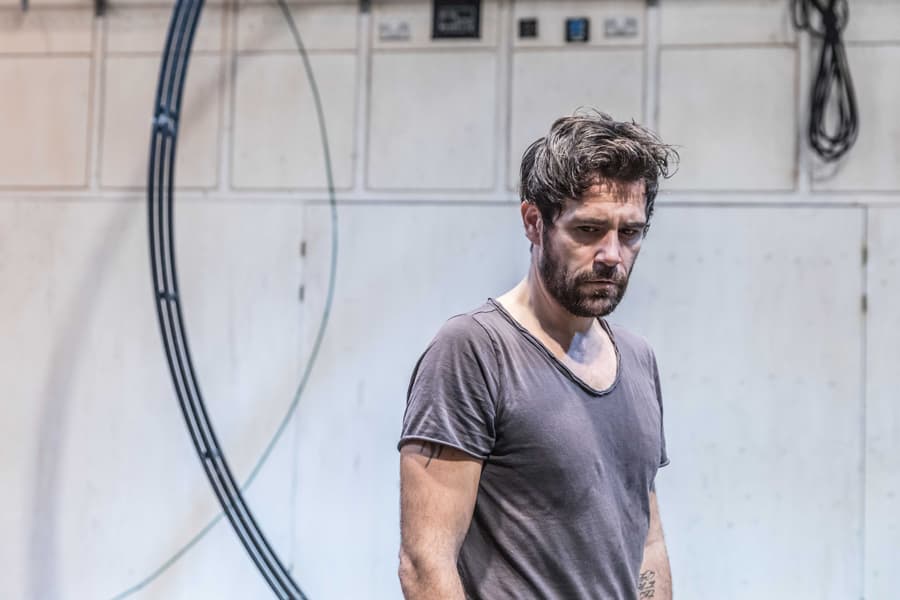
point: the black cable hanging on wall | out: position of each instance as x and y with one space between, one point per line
160 206
832 90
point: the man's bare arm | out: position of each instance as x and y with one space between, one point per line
655 577
438 485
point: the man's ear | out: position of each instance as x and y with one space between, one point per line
534 224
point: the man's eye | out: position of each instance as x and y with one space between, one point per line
630 233
588 229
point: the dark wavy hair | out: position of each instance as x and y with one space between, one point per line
588 147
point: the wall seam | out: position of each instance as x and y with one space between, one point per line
96 104
802 157
503 102
363 96
651 66
864 441
228 73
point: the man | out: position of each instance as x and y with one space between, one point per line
533 429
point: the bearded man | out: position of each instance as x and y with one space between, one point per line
533 429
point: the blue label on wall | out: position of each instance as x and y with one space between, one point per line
578 29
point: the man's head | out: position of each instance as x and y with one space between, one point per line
588 190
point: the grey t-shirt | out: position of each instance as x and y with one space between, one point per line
563 502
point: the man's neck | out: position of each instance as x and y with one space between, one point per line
530 302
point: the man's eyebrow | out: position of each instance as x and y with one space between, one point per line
637 224
590 221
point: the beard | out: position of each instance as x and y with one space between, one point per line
574 292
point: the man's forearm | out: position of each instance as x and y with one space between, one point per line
420 581
655 577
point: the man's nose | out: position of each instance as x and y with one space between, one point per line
609 251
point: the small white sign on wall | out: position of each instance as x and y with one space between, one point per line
394 31
620 27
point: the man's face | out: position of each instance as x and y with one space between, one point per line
586 256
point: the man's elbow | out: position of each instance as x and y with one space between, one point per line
424 576
414 573
406 572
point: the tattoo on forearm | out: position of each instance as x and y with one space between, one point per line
647 584
432 450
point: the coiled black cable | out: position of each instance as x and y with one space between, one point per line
832 90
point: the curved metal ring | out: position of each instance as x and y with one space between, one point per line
160 205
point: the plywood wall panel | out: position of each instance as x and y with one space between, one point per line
402 271
98 453
697 22
758 334
732 112
46 31
51 4
329 27
882 406
432 121
871 164
301 4
45 123
144 29
277 141
166 4
548 84
873 21
129 91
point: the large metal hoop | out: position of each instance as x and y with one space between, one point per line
160 211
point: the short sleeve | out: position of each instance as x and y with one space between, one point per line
453 390
664 457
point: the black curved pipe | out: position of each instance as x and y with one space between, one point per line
160 212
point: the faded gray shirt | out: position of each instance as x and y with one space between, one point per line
562 509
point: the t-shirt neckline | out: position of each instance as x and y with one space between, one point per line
559 364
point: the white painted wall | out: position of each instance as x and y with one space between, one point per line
781 401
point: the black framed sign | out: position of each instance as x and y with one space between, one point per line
456 19
528 28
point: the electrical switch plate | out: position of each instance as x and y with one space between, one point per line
618 27
394 31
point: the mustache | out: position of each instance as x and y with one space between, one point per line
606 273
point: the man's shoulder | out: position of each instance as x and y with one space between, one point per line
469 327
628 341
